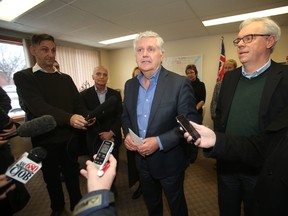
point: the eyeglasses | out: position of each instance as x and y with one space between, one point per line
248 38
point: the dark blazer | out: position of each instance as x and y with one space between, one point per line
269 151
110 119
173 96
274 99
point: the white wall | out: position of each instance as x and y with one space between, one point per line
121 62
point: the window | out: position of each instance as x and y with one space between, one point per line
11 60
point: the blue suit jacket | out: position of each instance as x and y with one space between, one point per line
173 96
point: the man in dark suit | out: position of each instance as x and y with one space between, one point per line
251 97
108 122
152 100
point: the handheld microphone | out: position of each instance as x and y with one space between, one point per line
111 101
34 127
27 165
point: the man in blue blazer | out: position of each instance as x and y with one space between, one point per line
152 100
251 98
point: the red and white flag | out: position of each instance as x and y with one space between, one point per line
221 62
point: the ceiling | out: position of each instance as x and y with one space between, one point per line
87 22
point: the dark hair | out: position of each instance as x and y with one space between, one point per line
38 38
136 68
191 67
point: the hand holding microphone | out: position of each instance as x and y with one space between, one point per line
27 165
5 133
34 127
99 110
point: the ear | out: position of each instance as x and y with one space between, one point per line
32 50
270 41
93 77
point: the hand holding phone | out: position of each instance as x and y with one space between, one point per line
185 124
102 156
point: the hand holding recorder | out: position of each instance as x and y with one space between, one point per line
187 127
102 156
94 181
208 137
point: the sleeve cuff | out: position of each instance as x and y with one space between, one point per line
94 201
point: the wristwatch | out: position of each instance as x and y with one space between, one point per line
94 201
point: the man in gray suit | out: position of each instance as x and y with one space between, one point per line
152 100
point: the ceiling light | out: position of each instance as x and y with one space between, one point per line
10 9
119 39
241 17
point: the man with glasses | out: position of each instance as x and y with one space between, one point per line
251 97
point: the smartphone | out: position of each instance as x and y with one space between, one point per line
185 124
103 154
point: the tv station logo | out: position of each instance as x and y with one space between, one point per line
23 169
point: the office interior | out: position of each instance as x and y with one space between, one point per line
120 62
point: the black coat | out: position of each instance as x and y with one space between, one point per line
268 151
109 119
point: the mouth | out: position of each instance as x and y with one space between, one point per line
242 52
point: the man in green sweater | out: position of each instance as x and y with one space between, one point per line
251 97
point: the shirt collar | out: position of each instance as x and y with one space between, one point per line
36 68
257 72
105 91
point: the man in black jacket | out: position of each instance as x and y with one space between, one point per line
108 122
251 97
267 152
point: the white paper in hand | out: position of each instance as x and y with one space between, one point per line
137 140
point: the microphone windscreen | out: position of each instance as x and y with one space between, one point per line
37 154
37 126
111 101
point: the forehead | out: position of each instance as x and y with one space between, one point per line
101 70
229 64
146 41
252 28
47 43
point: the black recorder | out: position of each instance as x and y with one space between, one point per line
102 156
185 124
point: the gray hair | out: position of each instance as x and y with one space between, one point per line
159 40
270 27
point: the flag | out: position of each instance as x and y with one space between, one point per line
221 62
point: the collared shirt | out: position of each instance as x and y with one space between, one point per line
144 104
257 72
36 68
102 95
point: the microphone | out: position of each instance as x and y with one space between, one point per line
27 165
34 127
100 109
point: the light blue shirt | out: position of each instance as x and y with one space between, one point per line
257 72
101 96
144 103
